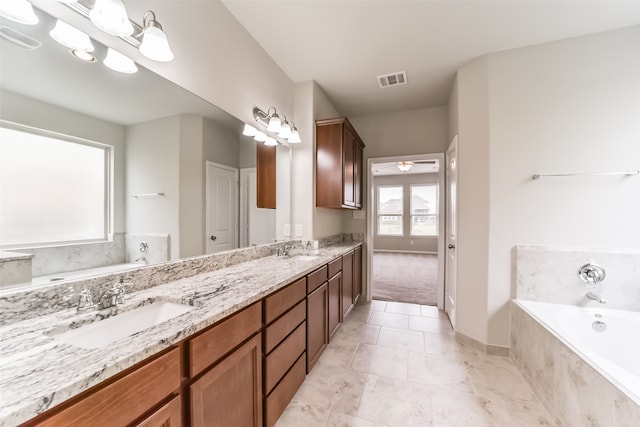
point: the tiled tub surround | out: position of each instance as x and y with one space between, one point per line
576 390
573 387
37 372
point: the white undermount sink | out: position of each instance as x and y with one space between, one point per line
104 332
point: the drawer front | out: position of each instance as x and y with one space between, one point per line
281 359
169 415
317 278
283 326
210 346
278 400
278 303
335 267
126 399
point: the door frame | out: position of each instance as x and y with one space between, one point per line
207 196
244 205
451 230
371 221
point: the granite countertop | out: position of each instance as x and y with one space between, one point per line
38 372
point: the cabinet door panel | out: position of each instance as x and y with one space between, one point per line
347 284
230 394
335 297
169 415
317 334
348 182
357 274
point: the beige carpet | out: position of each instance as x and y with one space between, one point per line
405 277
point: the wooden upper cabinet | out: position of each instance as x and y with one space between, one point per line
266 176
339 160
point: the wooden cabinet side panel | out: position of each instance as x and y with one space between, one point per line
347 283
357 274
329 165
358 173
266 176
335 303
317 325
169 415
230 394
211 345
284 299
125 400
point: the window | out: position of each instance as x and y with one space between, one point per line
53 189
424 210
390 210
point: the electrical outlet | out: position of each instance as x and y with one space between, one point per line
298 230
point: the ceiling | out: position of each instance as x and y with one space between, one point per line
344 45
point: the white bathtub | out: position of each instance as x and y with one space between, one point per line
614 352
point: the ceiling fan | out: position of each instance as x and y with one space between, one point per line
405 166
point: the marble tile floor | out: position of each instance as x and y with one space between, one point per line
398 365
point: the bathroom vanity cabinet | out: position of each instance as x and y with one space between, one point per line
339 165
241 371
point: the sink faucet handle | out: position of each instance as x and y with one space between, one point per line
85 300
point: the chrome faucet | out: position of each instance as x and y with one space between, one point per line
595 297
112 296
85 300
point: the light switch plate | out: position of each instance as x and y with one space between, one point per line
298 230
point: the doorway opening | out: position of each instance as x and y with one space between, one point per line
406 229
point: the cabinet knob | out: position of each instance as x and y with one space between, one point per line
213 238
451 246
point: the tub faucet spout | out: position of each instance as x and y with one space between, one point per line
594 297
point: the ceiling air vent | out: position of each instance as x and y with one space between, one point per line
16 37
393 79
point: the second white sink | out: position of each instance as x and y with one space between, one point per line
104 332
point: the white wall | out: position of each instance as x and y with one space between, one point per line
567 106
152 153
191 171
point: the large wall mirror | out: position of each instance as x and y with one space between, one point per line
172 176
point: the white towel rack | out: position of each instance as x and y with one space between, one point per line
148 195
625 173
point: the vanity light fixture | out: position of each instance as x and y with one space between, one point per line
273 123
405 166
270 142
19 11
260 136
111 17
71 37
154 42
83 55
119 62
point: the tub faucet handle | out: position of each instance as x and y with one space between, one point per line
592 274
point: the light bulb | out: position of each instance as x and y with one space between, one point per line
111 17
294 138
249 130
155 44
119 62
71 37
19 11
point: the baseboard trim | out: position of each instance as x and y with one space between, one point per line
405 252
493 350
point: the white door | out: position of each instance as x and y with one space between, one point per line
222 208
451 201
258 226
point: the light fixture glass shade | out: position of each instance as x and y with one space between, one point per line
67 1
294 138
111 17
155 44
285 130
260 136
274 123
119 62
405 166
19 11
71 37
271 142
249 130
